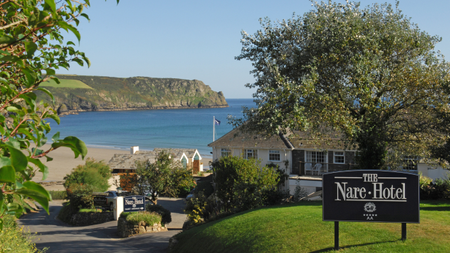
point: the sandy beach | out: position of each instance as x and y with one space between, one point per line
64 161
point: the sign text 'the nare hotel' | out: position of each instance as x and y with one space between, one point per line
371 196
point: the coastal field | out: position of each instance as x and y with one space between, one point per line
66 83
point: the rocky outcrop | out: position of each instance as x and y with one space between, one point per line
135 93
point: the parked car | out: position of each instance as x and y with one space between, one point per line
191 194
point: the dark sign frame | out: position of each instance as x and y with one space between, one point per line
371 196
134 203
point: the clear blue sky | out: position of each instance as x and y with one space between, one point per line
199 39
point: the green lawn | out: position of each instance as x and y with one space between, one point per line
299 228
66 83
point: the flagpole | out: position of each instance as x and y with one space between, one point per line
214 128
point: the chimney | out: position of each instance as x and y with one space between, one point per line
134 149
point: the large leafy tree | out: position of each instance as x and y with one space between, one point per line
32 47
369 74
164 176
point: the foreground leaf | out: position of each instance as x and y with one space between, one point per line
7 174
78 147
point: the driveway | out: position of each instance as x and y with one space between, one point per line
60 237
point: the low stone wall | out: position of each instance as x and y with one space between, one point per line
126 229
84 219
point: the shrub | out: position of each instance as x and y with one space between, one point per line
281 173
93 173
440 189
242 184
136 217
85 179
166 216
66 213
205 186
246 196
201 208
90 210
196 208
299 193
58 194
15 239
183 181
275 197
80 196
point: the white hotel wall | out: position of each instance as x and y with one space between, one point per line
432 172
263 156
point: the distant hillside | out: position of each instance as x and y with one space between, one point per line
98 93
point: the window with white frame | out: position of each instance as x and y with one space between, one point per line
315 157
225 152
339 157
250 153
274 155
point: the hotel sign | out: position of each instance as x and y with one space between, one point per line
371 196
133 203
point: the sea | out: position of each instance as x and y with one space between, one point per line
149 129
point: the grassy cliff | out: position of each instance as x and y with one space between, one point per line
97 93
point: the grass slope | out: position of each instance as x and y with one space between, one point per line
299 228
66 83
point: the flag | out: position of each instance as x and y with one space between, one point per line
217 122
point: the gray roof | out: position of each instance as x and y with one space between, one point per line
238 139
292 140
178 152
128 161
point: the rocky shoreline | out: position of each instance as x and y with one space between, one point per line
64 112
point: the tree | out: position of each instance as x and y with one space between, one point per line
442 153
366 73
32 47
243 184
164 176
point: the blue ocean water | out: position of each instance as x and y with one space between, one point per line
148 129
